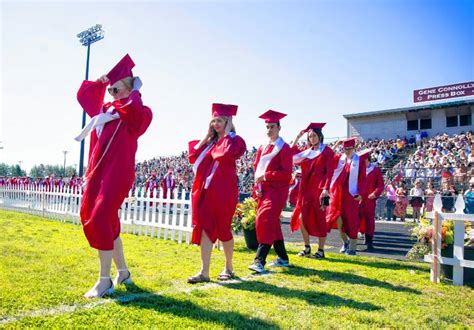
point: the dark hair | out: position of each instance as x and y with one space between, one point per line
319 134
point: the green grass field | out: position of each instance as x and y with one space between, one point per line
46 266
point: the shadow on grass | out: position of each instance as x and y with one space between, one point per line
378 264
145 299
311 297
327 275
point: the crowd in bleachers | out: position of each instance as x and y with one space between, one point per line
416 168
49 183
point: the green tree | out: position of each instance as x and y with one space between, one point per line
4 169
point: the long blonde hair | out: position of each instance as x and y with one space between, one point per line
128 82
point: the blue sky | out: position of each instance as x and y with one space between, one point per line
315 60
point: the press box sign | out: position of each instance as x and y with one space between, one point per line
443 92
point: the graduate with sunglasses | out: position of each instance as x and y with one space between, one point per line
114 131
273 169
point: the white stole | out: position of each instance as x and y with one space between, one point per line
201 157
214 165
265 159
370 169
98 122
293 186
308 154
353 173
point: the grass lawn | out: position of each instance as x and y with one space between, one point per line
46 266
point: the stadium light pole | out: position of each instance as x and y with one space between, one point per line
65 153
87 38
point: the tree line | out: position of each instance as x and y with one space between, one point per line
37 171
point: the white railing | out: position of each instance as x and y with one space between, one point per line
159 217
457 261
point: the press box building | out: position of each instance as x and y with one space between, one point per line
449 117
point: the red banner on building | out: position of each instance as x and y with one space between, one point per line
443 92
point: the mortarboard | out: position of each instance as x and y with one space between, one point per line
272 116
228 110
315 126
349 143
121 70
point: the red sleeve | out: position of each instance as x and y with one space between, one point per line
91 96
135 114
194 153
257 158
295 150
286 169
336 160
230 148
329 167
379 184
362 178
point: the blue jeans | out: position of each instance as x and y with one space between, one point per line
390 207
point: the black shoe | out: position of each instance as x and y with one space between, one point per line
319 254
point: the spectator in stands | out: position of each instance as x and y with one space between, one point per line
430 193
448 196
391 192
418 139
469 198
416 200
401 202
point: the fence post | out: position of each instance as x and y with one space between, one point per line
435 267
43 197
458 252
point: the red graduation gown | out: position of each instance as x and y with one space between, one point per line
213 208
316 176
342 203
295 184
375 185
274 194
164 186
111 168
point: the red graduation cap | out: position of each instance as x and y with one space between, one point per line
365 152
272 116
315 126
228 110
349 143
121 70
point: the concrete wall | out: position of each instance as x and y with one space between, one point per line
390 125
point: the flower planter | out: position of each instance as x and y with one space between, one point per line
447 270
251 239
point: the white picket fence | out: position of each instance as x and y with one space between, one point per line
165 218
457 261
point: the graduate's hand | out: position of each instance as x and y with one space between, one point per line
324 193
228 126
358 198
297 138
137 84
260 179
300 134
210 132
372 196
103 79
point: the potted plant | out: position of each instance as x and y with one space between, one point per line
244 219
424 233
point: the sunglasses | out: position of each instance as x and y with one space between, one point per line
113 90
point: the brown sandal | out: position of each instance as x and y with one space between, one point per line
225 276
199 278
